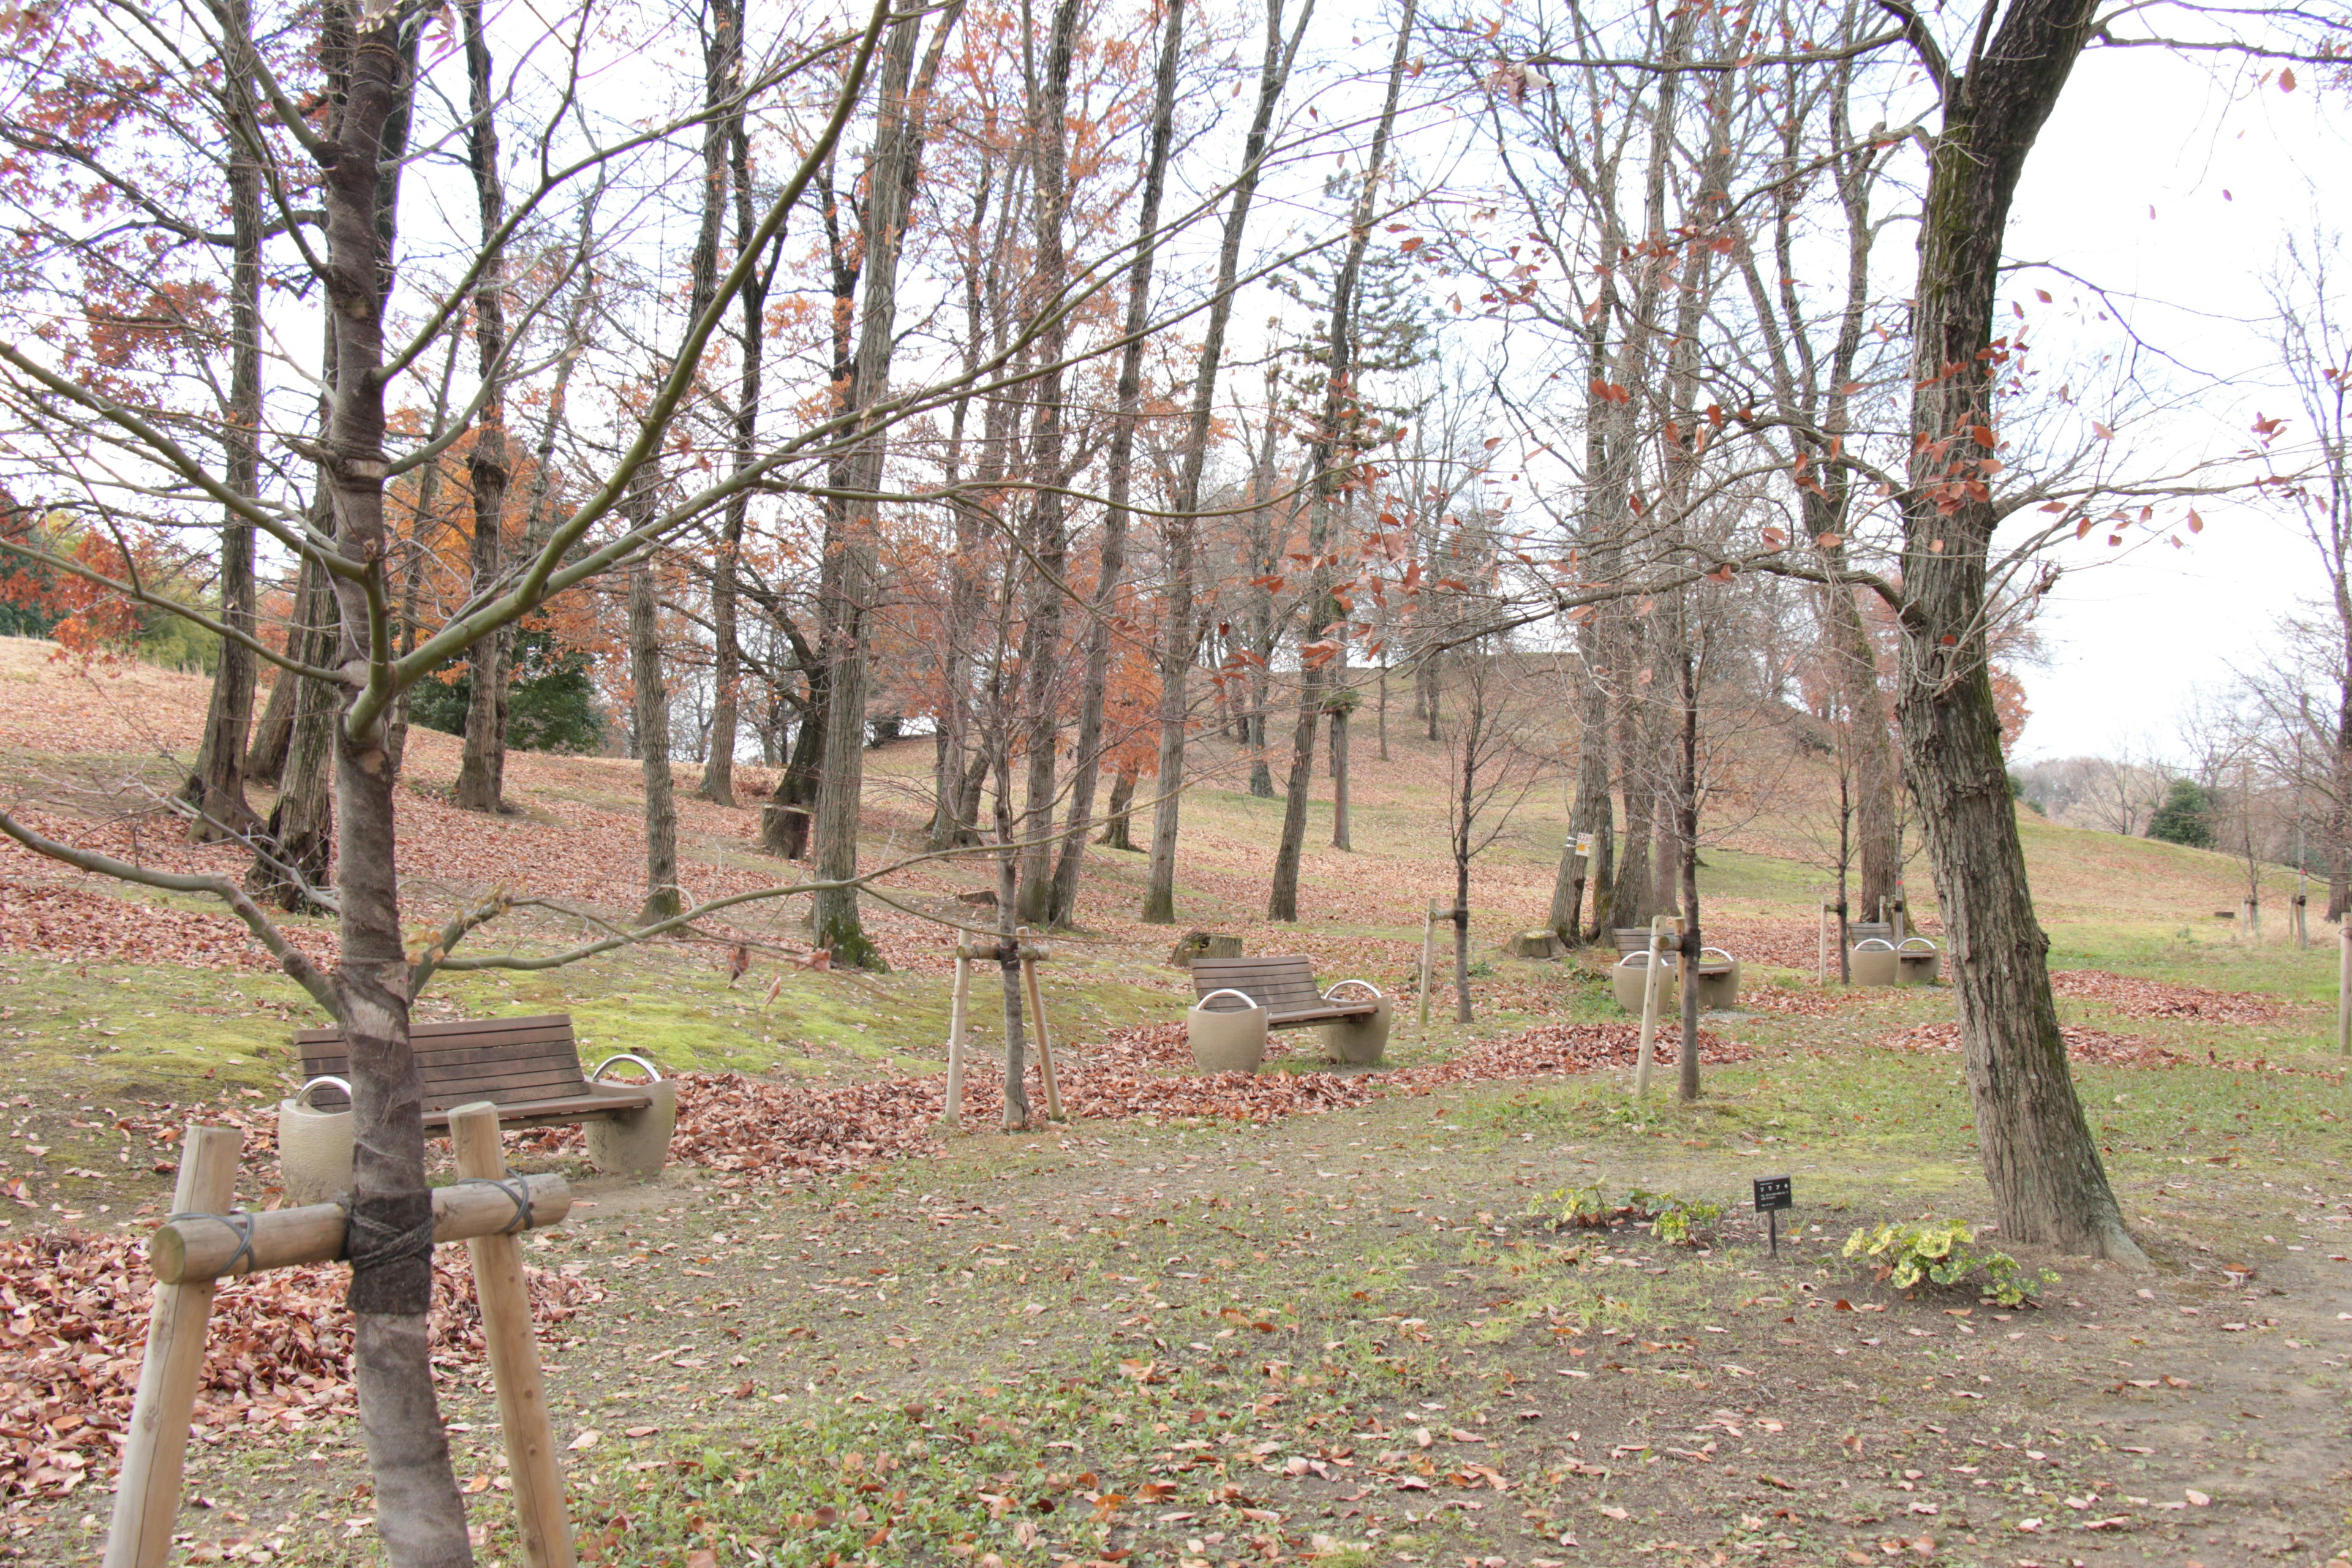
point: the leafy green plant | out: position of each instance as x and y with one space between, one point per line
1684 1222
1943 1252
1565 1209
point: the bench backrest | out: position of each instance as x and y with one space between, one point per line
1863 930
512 1061
1280 982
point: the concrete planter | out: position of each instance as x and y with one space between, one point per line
1918 961
1718 982
314 1146
1226 1039
1359 1042
635 1143
1633 971
1873 963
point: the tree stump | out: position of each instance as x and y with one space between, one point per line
1195 945
1534 944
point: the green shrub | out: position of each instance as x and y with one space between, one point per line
1943 1252
1684 1222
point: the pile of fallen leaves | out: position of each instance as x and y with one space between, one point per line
1549 1049
1810 1001
2162 999
731 1122
277 1358
78 925
2097 1047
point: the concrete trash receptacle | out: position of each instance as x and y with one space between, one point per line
1226 1039
1873 963
1918 961
1718 982
635 1143
1633 972
1358 1042
314 1146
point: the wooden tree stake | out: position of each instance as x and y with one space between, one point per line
1037 1017
147 1497
542 1525
1428 936
954 1115
1661 928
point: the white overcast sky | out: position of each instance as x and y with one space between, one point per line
2129 644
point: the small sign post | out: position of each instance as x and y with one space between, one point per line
1774 1194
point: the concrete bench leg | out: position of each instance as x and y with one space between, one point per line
637 1143
1226 1040
1359 1042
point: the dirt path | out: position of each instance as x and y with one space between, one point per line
1342 1332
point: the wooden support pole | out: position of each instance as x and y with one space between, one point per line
1662 928
953 1115
147 1496
1824 934
1037 1017
542 1527
188 1250
1428 937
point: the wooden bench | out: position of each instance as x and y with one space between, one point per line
1355 1031
529 1068
1282 985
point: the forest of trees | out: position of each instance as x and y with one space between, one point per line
1060 384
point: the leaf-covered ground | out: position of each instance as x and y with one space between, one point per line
1307 1315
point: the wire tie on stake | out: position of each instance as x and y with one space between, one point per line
518 1191
241 1225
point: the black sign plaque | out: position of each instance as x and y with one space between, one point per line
1774 1194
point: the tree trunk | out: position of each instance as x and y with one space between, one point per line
725 166
2039 1154
1590 813
896 165
1042 628
215 790
419 1515
650 706
1333 436
1339 779
1687 845
295 849
1180 642
273 734
482 766
1116 833
1119 465
2339 805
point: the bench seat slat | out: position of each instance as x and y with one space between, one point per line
537 1112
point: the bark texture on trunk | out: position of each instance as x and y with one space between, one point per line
1049 529
1340 779
419 1515
1181 632
482 762
1334 436
649 704
725 166
850 597
2040 1158
215 791
1119 466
